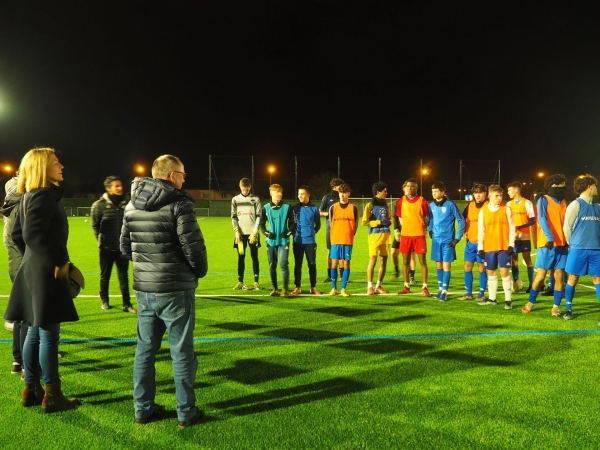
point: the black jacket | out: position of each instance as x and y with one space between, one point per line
40 232
107 221
161 235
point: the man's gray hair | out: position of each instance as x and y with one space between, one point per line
165 164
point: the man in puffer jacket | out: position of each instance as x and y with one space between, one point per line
107 220
161 235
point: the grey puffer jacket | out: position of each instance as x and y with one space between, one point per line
162 236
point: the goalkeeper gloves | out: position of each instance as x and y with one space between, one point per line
252 238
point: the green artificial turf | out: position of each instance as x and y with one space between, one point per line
324 372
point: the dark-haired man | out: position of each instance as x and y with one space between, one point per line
376 216
551 242
326 203
582 232
107 220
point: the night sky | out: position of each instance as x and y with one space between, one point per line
109 84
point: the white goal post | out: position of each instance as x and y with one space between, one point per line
202 212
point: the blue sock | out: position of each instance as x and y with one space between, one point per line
440 277
345 278
551 283
597 291
482 282
558 295
569 294
530 275
515 272
446 280
469 282
533 295
333 275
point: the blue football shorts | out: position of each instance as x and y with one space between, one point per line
471 253
341 252
500 258
553 259
442 252
582 262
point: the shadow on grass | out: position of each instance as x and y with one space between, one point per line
345 312
113 345
305 335
108 401
255 371
94 393
401 302
292 396
383 346
237 326
470 359
99 367
403 318
241 299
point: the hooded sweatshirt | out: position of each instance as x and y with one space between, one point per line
162 236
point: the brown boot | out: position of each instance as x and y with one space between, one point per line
32 395
54 400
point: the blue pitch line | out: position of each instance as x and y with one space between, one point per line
317 339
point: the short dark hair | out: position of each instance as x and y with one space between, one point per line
478 187
410 180
109 180
439 185
344 188
582 182
514 184
557 178
378 187
336 182
304 187
245 182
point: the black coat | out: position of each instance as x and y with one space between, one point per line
40 232
107 220
162 237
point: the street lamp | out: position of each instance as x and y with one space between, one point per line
271 170
540 176
139 169
424 171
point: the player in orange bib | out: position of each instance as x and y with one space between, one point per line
495 243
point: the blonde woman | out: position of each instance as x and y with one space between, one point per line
40 293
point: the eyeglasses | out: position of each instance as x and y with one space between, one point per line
183 174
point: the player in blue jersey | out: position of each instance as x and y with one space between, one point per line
582 231
471 215
308 223
443 215
550 241
280 218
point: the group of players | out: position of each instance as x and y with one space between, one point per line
567 238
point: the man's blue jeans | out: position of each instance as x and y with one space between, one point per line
41 349
175 312
280 252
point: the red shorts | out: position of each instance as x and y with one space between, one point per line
416 244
